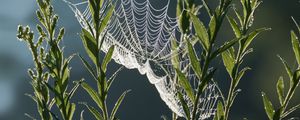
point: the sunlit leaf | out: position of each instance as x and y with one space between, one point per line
194 60
280 90
90 45
268 106
184 82
93 94
117 105
107 58
201 31
296 48
185 106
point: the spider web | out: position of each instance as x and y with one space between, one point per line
143 36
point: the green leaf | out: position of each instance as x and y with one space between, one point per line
286 66
280 90
117 105
74 89
268 106
90 45
93 94
88 67
175 57
184 82
183 16
212 26
71 109
238 16
225 47
107 58
106 19
296 48
185 106
240 75
251 36
112 78
228 61
296 79
201 32
194 60
234 27
220 111
95 112
297 25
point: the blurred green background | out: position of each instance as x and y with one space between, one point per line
143 102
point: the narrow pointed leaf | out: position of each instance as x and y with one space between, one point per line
268 106
107 58
95 112
184 82
287 68
296 48
212 26
201 31
251 37
92 93
182 14
220 110
296 23
71 110
106 19
112 78
234 27
280 90
225 47
175 57
90 45
185 106
117 105
240 75
228 61
194 60
88 67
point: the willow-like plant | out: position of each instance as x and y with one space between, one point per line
232 60
294 79
234 56
92 40
50 64
206 37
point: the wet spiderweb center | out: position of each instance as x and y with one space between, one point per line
143 35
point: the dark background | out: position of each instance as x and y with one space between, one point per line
143 102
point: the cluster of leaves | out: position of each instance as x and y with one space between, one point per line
92 43
234 57
50 64
284 98
206 37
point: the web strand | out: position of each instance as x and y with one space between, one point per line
142 35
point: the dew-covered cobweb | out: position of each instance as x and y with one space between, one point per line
143 33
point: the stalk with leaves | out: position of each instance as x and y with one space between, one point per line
50 64
206 37
294 75
93 39
234 57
